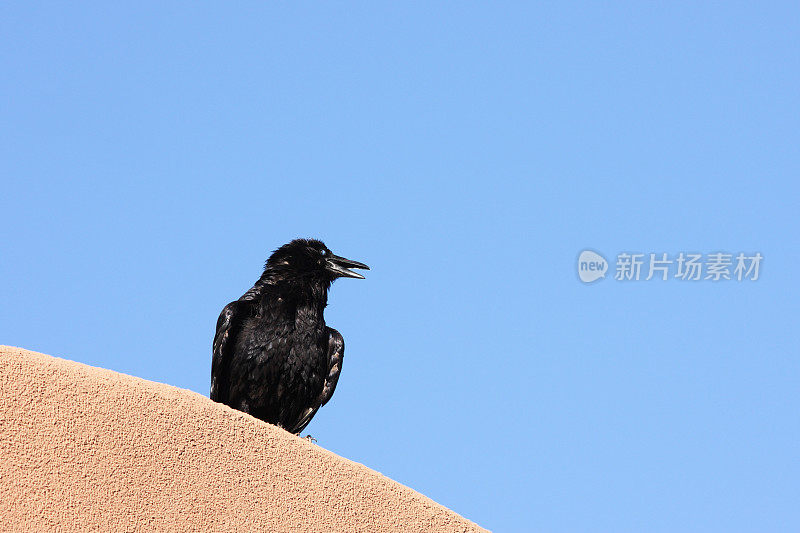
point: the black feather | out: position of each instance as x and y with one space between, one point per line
273 355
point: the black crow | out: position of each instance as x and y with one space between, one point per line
273 355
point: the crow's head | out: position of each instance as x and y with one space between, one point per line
311 258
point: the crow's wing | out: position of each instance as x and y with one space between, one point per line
335 358
228 325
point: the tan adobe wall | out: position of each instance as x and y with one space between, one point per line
84 449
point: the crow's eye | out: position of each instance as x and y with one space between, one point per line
325 253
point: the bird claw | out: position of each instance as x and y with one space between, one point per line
309 438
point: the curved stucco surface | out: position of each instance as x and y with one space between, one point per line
84 448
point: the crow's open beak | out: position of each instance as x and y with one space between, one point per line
339 267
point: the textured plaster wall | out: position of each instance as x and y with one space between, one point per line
84 448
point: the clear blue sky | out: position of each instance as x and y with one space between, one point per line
153 154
